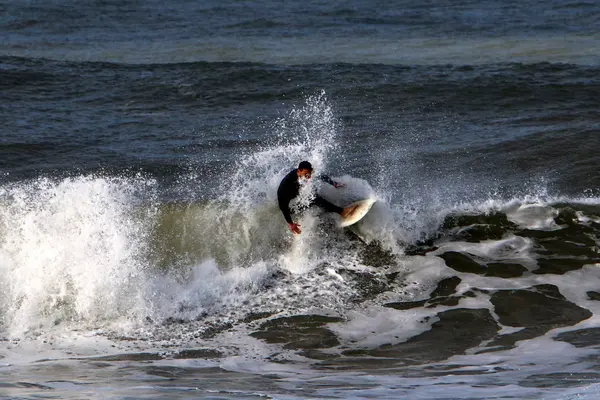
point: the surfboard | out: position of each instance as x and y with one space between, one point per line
362 208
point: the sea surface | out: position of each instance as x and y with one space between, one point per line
142 252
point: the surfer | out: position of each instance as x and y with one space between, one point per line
290 187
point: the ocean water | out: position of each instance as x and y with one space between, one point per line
142 253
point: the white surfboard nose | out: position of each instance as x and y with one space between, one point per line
361 209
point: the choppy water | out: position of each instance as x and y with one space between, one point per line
142 253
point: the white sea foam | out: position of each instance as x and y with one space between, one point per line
378 326
510 248
71 251
533 216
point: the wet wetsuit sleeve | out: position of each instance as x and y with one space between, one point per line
327 179
284 206
285 193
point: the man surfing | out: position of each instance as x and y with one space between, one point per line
290 187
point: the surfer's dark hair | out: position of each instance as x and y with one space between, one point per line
305 165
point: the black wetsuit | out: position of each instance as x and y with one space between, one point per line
288 190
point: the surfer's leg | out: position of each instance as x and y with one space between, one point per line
327 206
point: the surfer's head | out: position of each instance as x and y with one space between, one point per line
304 170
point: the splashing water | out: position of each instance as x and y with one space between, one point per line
72 251
103 251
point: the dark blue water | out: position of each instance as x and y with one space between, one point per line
141 145
511 121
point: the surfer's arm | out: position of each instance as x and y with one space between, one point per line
284 206
288 189
286 213
333 183
327 179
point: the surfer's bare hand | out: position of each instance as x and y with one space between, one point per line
338 185
295 228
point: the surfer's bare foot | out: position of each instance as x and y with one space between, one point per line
348 211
